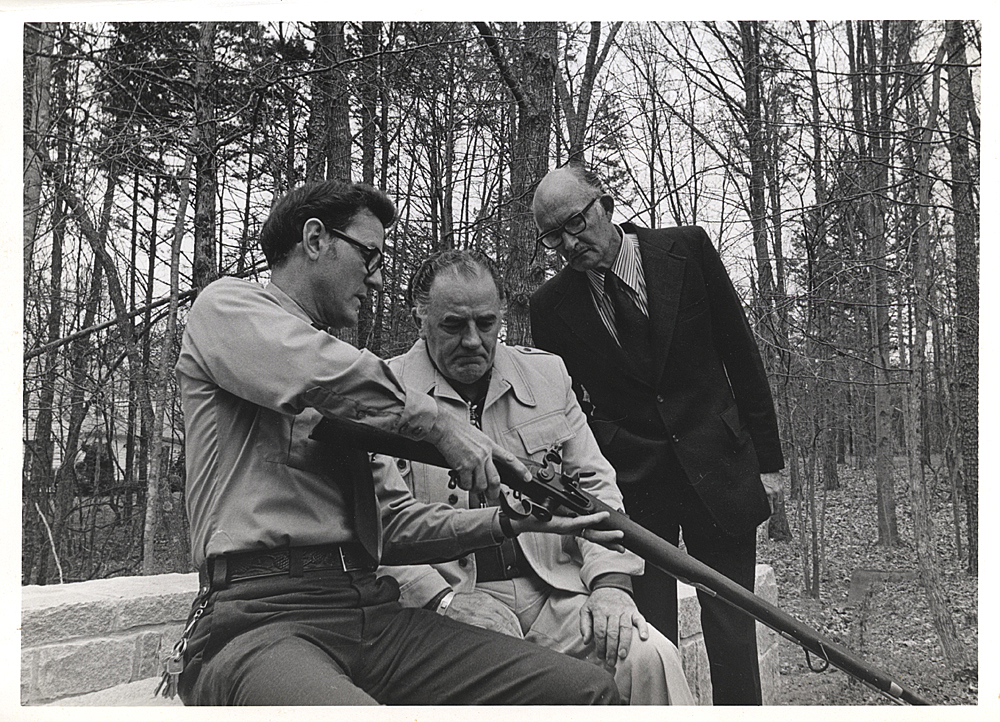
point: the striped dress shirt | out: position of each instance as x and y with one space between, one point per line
628 268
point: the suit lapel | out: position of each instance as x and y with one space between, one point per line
664 273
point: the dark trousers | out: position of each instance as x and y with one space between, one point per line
665 506
335 638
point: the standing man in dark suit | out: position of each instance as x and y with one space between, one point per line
652 330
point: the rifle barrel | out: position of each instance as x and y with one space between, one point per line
655 550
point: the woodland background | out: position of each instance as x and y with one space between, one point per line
836 165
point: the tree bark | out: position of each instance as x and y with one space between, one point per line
329 145
872 166
205 266
961 109
529 162
39 41
923 526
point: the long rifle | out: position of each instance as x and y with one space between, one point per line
551 492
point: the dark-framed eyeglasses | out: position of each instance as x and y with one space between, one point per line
574 225
372 256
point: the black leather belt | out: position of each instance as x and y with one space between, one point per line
492 565
290 561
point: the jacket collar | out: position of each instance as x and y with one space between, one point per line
421 374
663 293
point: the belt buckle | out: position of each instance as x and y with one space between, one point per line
343 559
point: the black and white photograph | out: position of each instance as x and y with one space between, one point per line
433 363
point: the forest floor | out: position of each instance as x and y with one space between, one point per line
890 625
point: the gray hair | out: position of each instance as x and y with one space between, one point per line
466 263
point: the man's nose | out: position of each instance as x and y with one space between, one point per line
569 243
470 336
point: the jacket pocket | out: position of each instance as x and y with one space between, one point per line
542 433
738 433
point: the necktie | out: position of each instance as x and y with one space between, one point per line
631 324
353 472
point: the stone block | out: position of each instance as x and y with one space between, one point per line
766 638
151 610
28 664
688 612
150 647
76 668
65 621
770 669
694 659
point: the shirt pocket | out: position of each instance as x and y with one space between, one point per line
303 453
537 435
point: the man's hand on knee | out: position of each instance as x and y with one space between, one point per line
607 619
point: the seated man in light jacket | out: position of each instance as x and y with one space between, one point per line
564 593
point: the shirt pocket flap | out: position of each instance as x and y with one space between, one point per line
544 432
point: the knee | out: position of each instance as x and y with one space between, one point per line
649 653
653 656
598 686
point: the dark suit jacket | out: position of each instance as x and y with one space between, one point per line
709 400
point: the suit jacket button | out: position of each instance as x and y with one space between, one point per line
659 398
674 438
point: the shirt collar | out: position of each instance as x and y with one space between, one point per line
627 264
422 375
288 303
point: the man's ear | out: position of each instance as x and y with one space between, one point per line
417 322
313 231
608 204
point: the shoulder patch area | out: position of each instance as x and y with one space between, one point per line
529 351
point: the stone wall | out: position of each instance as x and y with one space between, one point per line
78 639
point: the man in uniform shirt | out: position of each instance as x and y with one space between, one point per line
287 533
562 593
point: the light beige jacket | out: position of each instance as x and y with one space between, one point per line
530 408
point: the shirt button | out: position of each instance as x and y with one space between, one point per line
659 398
463 562
453 499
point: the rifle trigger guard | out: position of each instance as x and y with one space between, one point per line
512 512
809 663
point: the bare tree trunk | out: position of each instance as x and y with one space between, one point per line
961 109
155 509
205 266
38 461
923 527
39 41
577 117
329 148
529 162
872 167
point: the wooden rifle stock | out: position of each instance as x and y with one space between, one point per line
562 495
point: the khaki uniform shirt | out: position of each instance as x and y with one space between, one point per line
255 377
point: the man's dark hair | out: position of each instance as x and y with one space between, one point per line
335 202
467 263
